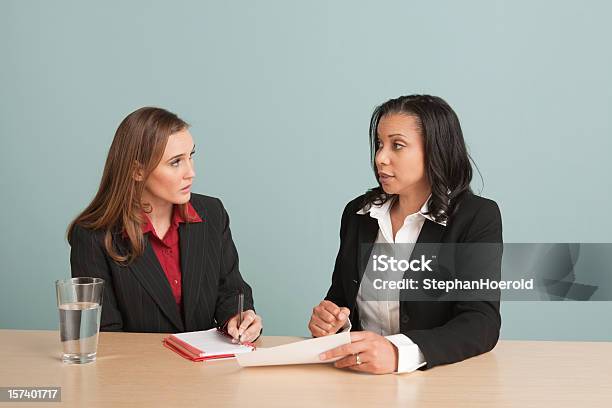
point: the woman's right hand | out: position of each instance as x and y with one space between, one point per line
327 318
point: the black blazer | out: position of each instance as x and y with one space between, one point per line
448 331
138 297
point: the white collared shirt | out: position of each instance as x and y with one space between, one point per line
383 316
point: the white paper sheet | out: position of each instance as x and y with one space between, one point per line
301 352
212 342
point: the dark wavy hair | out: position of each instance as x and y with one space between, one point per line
447 162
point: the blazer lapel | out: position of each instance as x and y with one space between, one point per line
151 276
430 233
427 245
428 242
192 238
368 229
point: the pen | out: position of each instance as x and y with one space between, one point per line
240 310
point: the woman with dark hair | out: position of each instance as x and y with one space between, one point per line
166 255
423 196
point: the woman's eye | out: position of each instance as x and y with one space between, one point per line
175 163
397 146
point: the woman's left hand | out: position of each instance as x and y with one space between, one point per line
249 330
377 355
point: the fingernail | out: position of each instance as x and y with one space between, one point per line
341 316
322 356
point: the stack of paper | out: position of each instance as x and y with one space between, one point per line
205 345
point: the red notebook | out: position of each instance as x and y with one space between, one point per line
205 345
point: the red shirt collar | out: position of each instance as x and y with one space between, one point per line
192 215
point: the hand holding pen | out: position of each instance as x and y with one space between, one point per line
245 326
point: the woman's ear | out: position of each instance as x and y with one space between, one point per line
138 172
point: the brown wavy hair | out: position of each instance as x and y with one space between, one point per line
116 209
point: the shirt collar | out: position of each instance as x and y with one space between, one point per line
177 218
382 210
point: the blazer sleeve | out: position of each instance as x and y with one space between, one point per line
336 293
87 259
474 326
230 279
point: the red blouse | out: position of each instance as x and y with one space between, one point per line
167 248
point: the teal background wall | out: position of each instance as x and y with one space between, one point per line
279 96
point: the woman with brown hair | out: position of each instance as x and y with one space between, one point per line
166 255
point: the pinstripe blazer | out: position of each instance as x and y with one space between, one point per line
138 297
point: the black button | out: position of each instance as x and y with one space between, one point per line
405 319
